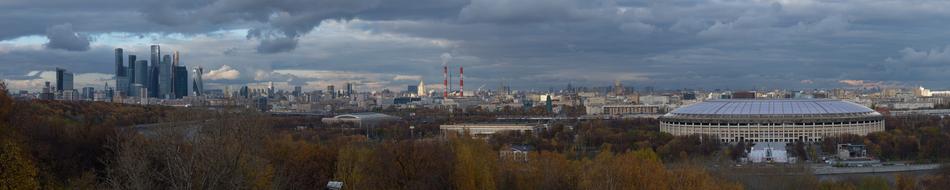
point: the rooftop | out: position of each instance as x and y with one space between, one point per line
772 107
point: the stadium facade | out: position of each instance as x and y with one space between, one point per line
772 120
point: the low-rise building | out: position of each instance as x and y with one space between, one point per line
769 152
360 119
630 109
486 129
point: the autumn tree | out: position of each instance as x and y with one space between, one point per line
300 164
474 164
905 182
16 170
221 155
352 167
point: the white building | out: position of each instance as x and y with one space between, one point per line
768 153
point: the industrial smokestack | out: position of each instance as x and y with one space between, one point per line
445 74
445 80
461 82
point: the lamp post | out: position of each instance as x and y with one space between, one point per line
412 134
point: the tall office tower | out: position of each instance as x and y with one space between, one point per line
181 82
270 89
165 77
131 70
141 73
297 91
349 90
197 84
174 73
153 75
245 92
175 59
154 61
64 80
156 54
119 68
121 78
331 91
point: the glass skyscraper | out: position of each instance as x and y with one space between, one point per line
165 77
198 84
121 78
141 78
181 82
64 80
153 89
131 70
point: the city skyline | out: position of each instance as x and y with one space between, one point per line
527 44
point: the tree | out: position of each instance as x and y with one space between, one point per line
352 167
905 182
16 171
474 164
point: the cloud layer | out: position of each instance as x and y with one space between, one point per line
63 37
531 44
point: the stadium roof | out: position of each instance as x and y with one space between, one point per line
365 115
772 107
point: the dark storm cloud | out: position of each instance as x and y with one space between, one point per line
63 37
283 21
277 45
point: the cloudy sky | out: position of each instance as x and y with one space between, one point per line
530 44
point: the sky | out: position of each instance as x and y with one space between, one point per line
528 44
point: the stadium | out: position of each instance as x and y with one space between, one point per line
772 120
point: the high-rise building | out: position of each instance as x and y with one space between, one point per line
245 92
297 91
174 75
153 78
121 76
47 93
131 70
141 73
154 70
197 84
422 89
349 90
412 89
64 80
119 66
88 93
331 91
270 89
156 54
165 77
181 82
618 88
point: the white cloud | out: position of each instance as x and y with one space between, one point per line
637 28
408 77
223 73
932 56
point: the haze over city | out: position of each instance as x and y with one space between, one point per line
531 44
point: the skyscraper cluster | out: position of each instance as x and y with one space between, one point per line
161 76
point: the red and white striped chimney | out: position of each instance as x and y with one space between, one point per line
461 82
445 81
